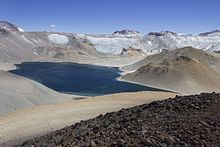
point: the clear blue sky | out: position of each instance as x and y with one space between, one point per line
106 16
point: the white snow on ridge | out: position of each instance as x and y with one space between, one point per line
59 39
113 45
152 44
20 29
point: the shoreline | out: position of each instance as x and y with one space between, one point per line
78 94
150 86
159 88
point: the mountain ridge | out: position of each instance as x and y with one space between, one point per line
11 40
9 26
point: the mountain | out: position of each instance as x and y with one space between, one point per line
16 46
215 33
185 70
127 32
9 26
161 33
169 40
32 45
154 42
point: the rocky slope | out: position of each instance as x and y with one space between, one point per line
36 121
187 121
185 70
9 26
17 46
132 52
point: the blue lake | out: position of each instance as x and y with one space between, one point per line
80 79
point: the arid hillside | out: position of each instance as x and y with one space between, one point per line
186 70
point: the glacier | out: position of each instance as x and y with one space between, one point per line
59 39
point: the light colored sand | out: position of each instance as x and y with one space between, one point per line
17 92
23 124
7 66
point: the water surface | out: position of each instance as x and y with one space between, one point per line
79 79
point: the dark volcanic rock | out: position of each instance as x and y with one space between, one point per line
185 121
126 32
163 33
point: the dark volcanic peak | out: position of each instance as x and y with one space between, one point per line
212 33
183 121
163 33
8 26
126 32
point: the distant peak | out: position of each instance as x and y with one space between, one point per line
162 33
9 26
212 33
127 32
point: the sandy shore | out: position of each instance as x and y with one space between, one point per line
27 123
7 66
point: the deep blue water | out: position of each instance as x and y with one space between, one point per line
81 79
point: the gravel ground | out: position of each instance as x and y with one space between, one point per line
184 120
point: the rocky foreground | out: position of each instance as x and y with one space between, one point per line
184 120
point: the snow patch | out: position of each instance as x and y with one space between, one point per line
59 39
113 45
20 29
